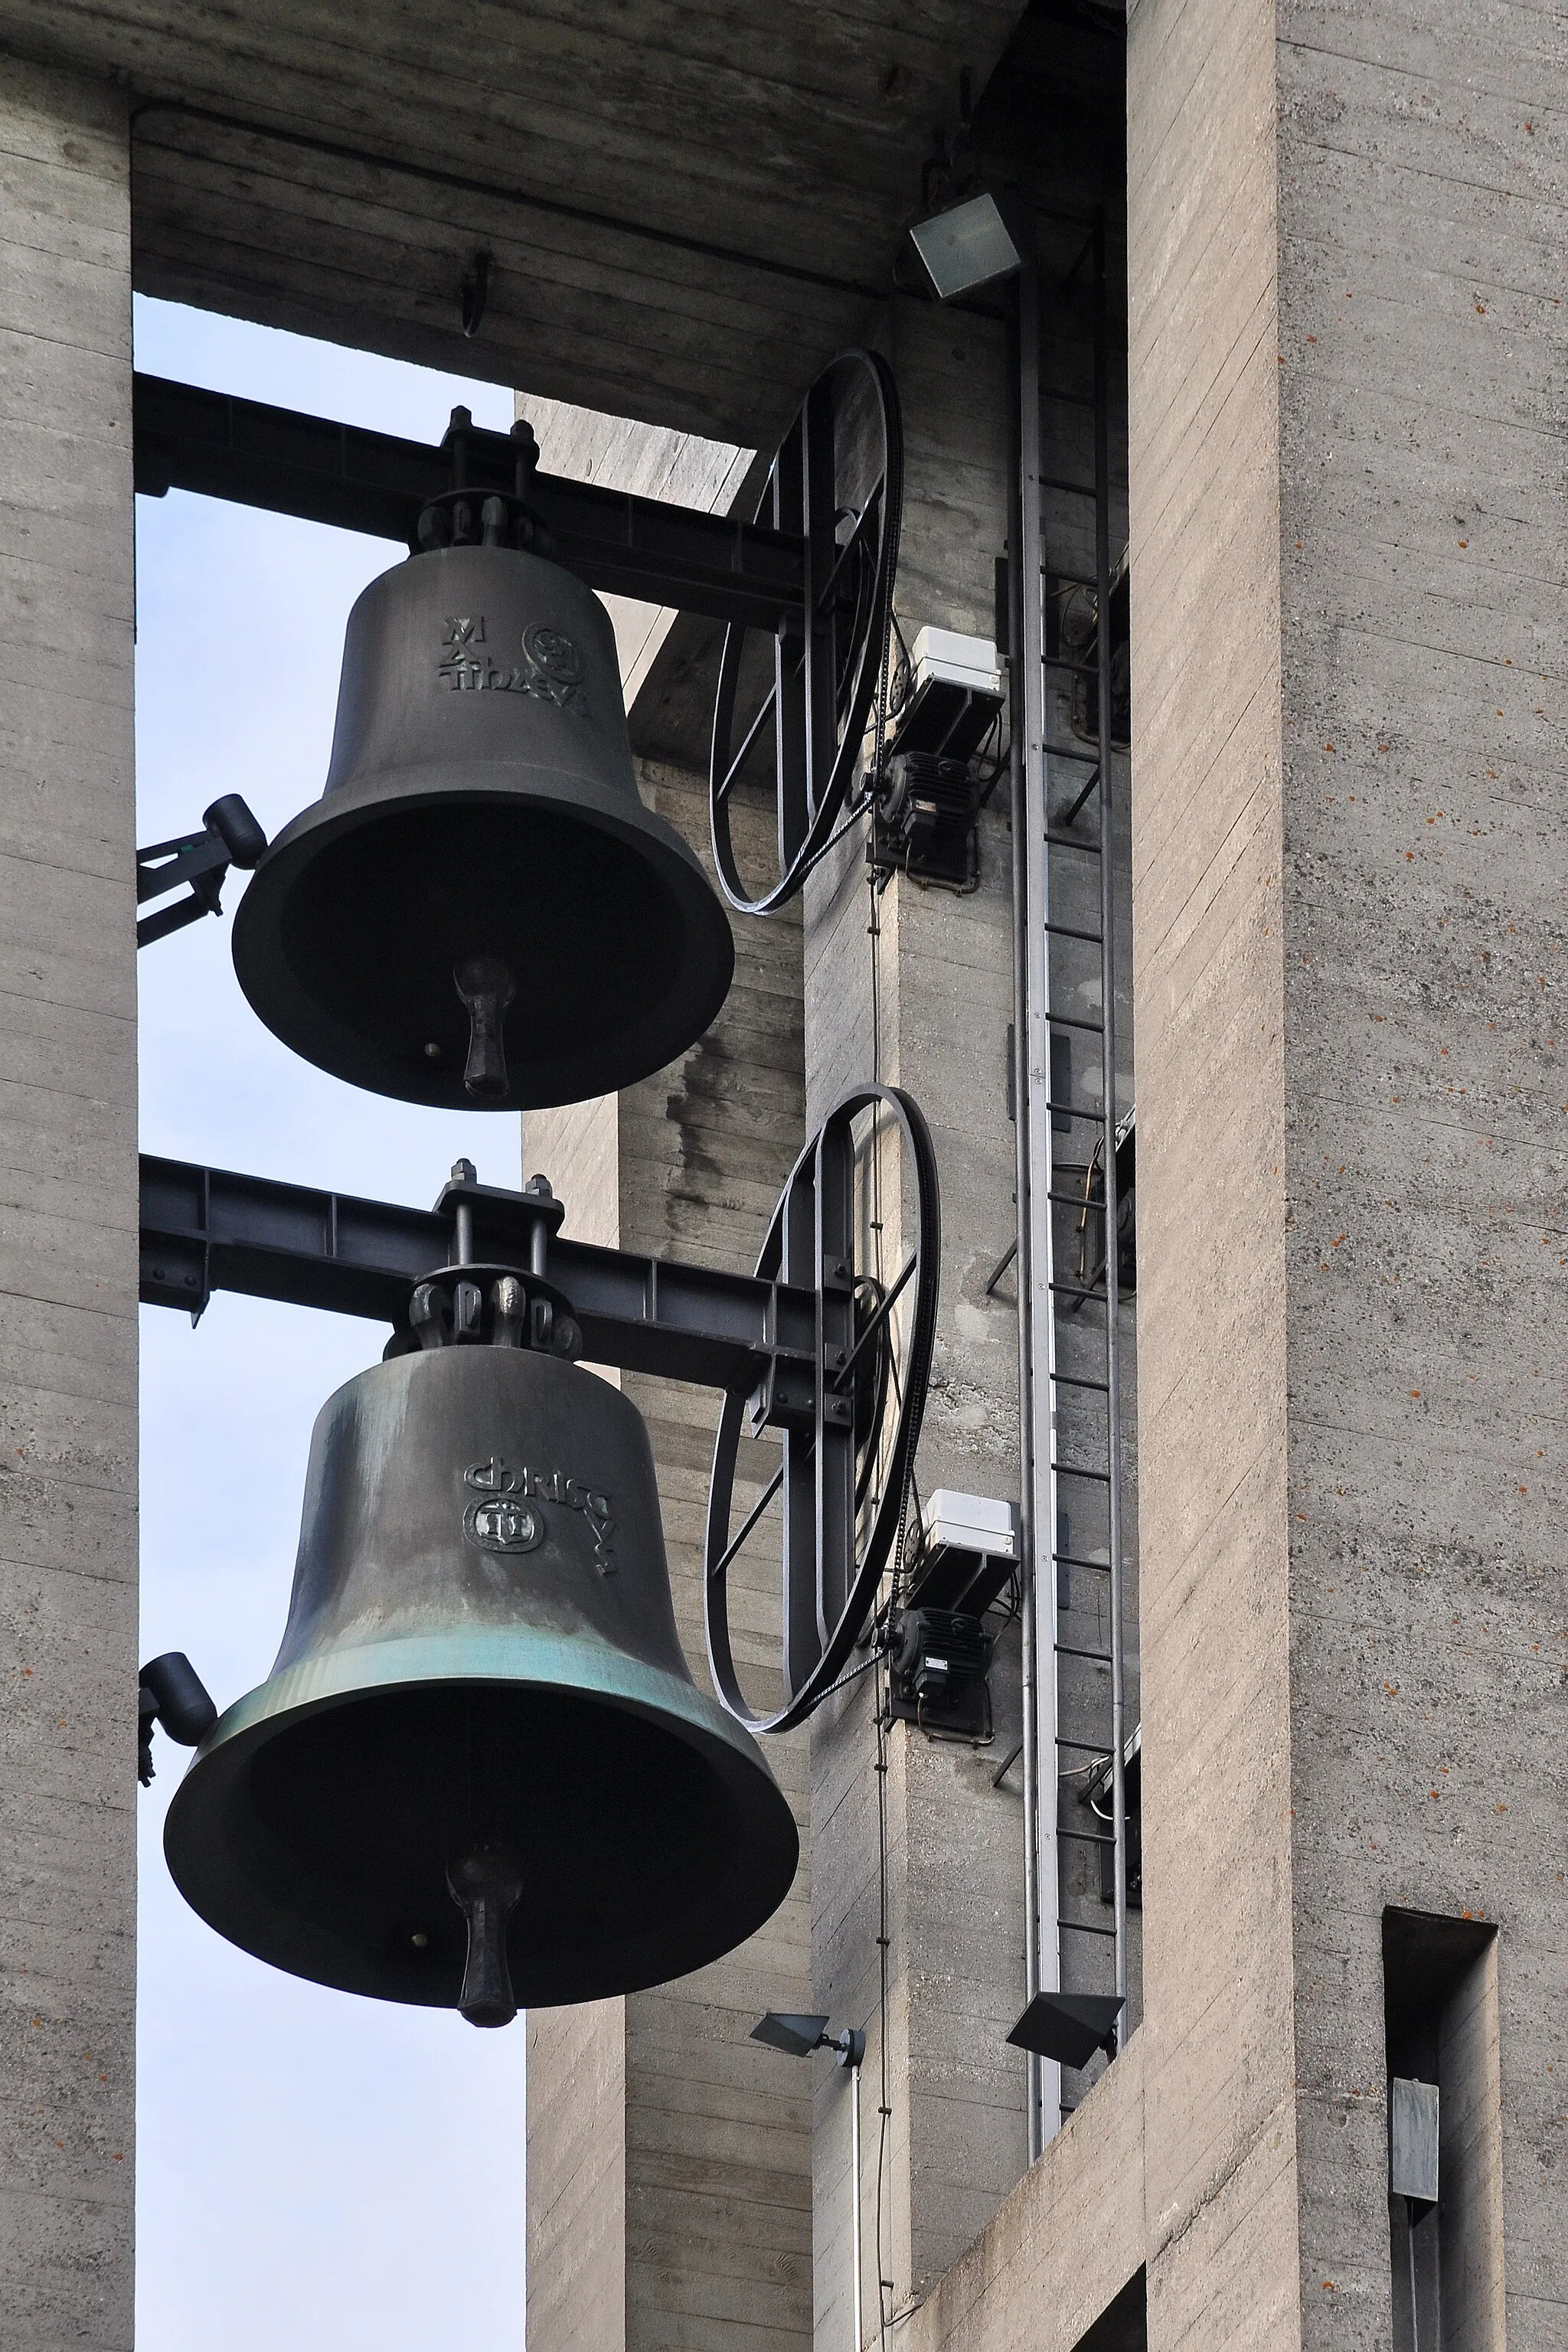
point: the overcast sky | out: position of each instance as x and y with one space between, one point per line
317 2174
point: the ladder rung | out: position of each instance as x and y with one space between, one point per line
1065 751
1067 1110
1067 931
1076 1201
1096 1657
1071 841
1073 489
1087 1837
1084 1747
1073 399
1072 1290
1077 1381
1071 1560
1065 661
1082 1928
1077 1470
1071 1021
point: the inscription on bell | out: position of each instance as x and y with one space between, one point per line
507 1516
550 668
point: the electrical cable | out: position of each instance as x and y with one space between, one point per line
885 2110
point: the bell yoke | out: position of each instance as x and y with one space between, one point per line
480 912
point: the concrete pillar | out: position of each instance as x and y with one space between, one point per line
67 1226
953 2140
1349 648
669 2155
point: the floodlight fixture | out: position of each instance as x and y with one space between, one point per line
967 247
1067 2026
797 2037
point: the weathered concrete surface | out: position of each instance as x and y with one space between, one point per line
1063 2245
687 211
1424 640
934 1020
68 1220
1348 649
657 463
669 2164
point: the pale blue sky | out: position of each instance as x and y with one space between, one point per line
317 2174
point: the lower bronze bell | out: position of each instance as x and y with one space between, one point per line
479 911
479 1775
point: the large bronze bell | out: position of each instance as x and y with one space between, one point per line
479 1775
480 912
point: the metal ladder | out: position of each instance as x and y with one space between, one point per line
1071 1346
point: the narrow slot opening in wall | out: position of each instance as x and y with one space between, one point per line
1445 2197
1123 2325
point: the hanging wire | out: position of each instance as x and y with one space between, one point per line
885 2110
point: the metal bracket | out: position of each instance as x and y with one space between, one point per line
804 1346
230 836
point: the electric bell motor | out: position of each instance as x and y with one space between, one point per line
479 911
479 1775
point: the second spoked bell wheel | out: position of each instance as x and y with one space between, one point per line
824 1489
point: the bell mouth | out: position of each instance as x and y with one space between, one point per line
355 936
322 1837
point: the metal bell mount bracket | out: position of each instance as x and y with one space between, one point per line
821 1347
229 836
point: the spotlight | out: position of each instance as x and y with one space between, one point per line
1067 2026
965 248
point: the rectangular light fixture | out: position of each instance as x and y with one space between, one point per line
965 248
1069 2026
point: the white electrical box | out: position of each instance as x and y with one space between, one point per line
942 658
970 1523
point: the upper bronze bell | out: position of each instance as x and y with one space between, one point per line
480 912
480 1775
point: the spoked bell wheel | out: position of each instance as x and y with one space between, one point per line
828 1484
792 710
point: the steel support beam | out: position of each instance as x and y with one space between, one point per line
204 1229
622 545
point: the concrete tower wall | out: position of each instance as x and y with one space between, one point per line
1347 663
67 1219
930 1011
669 2155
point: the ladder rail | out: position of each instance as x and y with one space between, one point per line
1109 1105
1051 1299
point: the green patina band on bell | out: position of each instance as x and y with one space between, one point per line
481 1656
479 911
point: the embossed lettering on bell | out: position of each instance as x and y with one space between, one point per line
479 1773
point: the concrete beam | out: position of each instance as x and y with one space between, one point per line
688 212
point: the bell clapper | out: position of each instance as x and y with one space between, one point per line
485 1884
487 987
